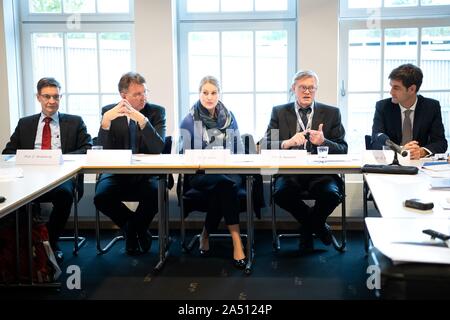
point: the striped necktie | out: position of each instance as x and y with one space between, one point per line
407 128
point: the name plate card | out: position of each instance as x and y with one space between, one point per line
108 157
285 156
207 156
38 156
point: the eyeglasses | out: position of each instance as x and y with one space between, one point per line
47 97
310 88
140 94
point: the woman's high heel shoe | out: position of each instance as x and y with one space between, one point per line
240 264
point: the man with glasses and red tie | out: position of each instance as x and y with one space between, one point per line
51 129
307 124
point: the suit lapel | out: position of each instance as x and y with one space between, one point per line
418 112
33 130
317 117
64 131
397 115
291 120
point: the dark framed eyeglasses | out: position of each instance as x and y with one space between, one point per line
47 97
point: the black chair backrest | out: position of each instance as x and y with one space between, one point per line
167 150
167 145
368 141
249 144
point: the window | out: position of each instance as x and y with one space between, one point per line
371 49
253 60
86 57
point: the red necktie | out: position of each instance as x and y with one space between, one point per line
46 134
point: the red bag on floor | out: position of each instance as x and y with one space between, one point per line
43 268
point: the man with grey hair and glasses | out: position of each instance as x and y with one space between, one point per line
307 124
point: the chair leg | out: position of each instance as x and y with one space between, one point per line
275 237
79 242
365 199
110 244
341 246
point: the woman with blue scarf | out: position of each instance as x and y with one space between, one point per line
209 124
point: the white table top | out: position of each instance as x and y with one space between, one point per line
390 192
402 239
34 181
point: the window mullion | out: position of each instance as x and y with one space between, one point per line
99 71
66 63
382 66
254 80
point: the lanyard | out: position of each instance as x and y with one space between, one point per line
300 121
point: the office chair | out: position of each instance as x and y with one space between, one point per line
190 199
305 195
170 182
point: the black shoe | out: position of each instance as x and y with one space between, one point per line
239 264
131 241
144 239
306 243
324 234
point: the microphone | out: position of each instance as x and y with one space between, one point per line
307 136
384 140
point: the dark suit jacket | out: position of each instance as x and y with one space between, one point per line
150 140
284 118
74 136
428 128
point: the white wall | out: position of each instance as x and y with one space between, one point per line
155 53
318 44
4 96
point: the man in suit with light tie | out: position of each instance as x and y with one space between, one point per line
51 129
409 119
307 124
134 124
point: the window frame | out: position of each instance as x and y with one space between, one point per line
184 15
229 23
27 16
393 12
346 25
28 28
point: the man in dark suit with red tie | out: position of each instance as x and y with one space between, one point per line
307 124
409 119
133 124
51 129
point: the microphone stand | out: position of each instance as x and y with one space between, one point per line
395 161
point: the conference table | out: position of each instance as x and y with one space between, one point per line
21 184
37 180
411 262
